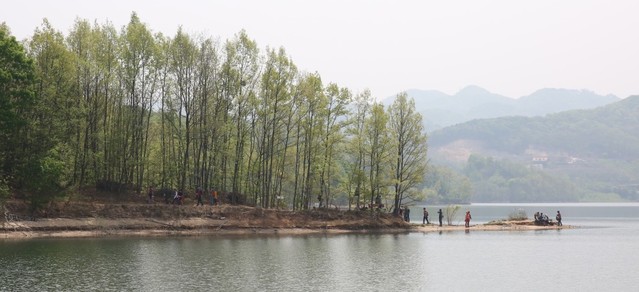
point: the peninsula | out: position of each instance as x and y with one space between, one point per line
89 219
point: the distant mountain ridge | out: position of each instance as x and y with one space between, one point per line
440 110
608 132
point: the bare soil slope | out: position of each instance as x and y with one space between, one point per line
110 218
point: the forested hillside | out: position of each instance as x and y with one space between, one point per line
574 155
124 109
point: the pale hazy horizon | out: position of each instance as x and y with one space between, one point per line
511 48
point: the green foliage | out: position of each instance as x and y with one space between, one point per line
591 154
506 181
131 108
444 185
16 102
409 142
25 138
45 178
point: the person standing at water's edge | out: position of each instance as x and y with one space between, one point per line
425 220
441 216
467 219
558 217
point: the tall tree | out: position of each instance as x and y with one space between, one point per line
334 115
17 101
29 163
55 86
356 179
139 80
205 124
240 82
312 124
377 143
94 64
183 59
409 142
168 172
272 113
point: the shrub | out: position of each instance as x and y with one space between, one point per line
518 215
451 212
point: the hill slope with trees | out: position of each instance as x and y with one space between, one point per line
586 154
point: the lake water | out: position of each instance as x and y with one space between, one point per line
601 255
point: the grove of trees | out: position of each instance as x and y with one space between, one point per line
124 109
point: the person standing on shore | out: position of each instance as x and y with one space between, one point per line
467 219
176 198
425 217
150 194
441 216
558 217
198 196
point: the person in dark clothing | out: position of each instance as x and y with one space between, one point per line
198 196
543 219
150 194
558 217
441 216
166 193
407 215
467 219
425 217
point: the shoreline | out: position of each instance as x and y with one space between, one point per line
194 227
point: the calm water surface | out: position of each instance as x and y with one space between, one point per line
601 255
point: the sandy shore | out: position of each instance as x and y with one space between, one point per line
96 227
488 227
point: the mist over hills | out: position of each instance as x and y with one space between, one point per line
610 131
577 155
440 110
554 145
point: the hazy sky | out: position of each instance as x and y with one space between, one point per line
508 47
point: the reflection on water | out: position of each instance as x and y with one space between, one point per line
573 259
